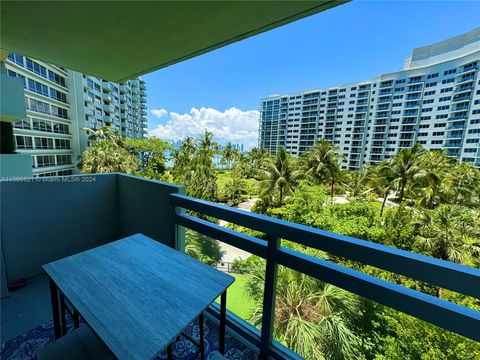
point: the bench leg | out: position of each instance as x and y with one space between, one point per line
223 320
55 308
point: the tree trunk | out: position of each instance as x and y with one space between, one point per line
331 189
281 196
402 189
439 292
383 203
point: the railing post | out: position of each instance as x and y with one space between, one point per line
269 296
178 231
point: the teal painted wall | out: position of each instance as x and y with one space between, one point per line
46 219
12 98
15 165
144 207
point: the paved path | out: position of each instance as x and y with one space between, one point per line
230 252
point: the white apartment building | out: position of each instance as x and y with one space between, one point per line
60 103
434 100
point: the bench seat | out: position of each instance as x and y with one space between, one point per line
78 344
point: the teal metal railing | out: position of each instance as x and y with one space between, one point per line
459 278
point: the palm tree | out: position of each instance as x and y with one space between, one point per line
228 154
255 158
279 176
323 163
382 178
105 133
405 165
234 189
312 318
450 232
357 184
464 182
207 148
434 167
105 156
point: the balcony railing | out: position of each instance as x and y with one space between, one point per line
434 271
157 209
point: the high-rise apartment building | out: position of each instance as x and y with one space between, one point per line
434 100
60 103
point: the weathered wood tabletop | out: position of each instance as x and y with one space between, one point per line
136 293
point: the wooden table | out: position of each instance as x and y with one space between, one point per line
136 294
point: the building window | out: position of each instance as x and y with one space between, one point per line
45 160
43 143
23 142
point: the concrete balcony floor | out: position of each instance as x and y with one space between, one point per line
26 326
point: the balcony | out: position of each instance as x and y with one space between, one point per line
108 108
463 89
106 87
465 79
114 206
469 68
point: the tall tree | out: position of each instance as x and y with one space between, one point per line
105 156
152 154
322 163
193 166
406 164
430 185
279 176
228 154
383 179
464 182
450 232
312 318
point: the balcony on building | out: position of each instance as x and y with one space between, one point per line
107 98
106 87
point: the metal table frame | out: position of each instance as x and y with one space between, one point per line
60 310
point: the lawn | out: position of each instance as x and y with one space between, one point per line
237 301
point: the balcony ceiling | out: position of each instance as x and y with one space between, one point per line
124 39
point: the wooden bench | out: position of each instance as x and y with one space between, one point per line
79 344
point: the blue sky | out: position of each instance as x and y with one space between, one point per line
351 42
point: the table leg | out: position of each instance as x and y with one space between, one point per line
223 320
76 319
202 337
55 308
63 314
169 352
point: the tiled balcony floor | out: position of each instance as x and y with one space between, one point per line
27 327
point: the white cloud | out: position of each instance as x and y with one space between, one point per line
232 125
159 112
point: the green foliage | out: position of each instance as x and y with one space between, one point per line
234 189
449 232
322 164
279 177
304 207
110 152
247 265
202 247
312 318
193 166
360 220
104 156
410 338
151 152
